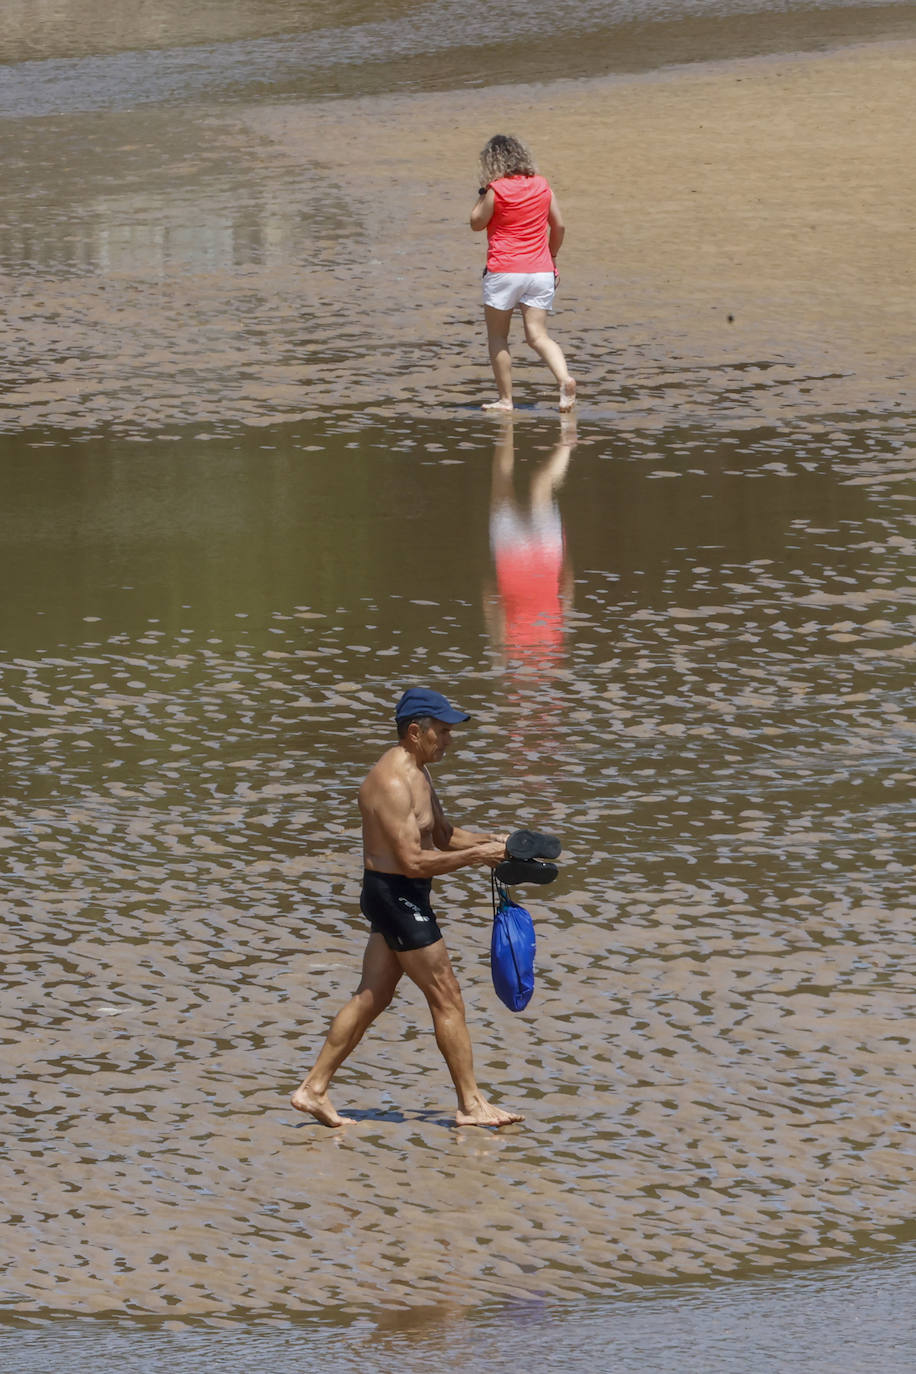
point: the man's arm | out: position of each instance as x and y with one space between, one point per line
454 838
390 810
466 839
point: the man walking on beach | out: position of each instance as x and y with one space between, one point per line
407 841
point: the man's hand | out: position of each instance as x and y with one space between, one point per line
492 852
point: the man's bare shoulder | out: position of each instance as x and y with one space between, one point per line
386 779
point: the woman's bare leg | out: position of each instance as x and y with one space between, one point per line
549 352
500 358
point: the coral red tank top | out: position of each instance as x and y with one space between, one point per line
517 234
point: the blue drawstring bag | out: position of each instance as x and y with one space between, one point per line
512 947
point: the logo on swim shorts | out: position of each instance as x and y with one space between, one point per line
417 913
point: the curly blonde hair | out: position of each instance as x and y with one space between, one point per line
505 156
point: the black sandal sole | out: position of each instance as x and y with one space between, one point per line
532 844
514 871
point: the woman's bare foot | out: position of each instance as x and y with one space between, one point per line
482 1113
567 394
501 404
319 1106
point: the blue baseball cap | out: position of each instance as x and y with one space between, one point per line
423 701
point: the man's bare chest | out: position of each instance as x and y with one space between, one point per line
421 794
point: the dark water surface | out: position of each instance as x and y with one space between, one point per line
69 57
685 628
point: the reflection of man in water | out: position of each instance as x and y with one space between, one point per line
533 573
407 841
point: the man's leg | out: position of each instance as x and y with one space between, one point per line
431 969
500 358
381 973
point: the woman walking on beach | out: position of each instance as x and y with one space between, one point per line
524 232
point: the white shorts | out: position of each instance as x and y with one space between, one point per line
504 290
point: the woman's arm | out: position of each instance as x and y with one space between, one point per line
557 227
482 212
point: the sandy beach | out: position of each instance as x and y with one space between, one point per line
739 240
772 190
280 300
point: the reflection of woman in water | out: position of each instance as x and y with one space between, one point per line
533 573
524 232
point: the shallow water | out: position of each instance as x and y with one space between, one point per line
247 497
71 55
853 1320
716 1069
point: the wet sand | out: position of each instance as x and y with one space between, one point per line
718 217
739 244
717 1069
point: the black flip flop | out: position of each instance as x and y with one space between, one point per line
532 844
513 871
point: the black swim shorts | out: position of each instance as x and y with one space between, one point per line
398 908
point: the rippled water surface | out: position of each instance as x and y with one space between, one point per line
864 1323
248 496
716 1069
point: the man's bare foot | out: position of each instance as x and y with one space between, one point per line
483 1113
567 394
501 404
319 1106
